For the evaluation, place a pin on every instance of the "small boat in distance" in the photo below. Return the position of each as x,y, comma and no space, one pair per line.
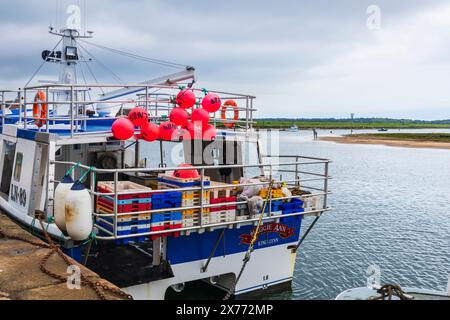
383,130
293,128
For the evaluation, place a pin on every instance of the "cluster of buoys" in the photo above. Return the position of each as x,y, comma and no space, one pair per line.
124,128
194,126
181,124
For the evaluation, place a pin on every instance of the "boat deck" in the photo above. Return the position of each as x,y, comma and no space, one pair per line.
22,279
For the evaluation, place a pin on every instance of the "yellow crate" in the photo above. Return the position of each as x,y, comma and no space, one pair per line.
276,193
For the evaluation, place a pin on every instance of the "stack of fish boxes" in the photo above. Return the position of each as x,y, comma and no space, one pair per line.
296,205
190,217
223,194
167,220
137,199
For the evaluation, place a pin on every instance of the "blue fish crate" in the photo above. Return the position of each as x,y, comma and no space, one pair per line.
184,184
166,217
167,200
295,204
277,205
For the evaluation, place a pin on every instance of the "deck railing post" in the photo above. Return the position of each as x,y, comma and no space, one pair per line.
71,112
325,186
270,190
92,183
19,96
47,111
116,200
3,109
201,196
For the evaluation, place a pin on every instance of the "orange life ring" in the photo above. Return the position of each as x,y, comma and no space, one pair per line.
40,108
233,104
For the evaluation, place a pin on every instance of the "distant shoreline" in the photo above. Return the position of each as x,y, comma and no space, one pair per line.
401,140
345,125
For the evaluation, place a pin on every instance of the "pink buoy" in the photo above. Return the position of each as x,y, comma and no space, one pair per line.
179,116
186,174
211,103
186,98
200,115
168,131
209,133
139,116
150,132
123,129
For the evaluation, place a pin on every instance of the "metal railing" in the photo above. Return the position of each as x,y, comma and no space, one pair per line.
78,99
271,168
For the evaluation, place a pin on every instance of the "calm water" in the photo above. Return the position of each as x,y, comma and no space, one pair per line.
391,208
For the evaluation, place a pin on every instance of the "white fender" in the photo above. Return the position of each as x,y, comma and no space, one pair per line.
78,212
60,201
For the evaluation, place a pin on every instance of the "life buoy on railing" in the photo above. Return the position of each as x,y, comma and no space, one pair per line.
226,105
40,108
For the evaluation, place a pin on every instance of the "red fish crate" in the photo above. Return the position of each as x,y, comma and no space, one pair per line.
166,226
124,208
141,192
226,201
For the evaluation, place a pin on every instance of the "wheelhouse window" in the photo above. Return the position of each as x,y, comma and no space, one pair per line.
18,167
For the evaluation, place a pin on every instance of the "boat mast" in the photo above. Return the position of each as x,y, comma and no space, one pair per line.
69,55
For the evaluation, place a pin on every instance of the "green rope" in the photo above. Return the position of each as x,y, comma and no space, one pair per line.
73,168
86,174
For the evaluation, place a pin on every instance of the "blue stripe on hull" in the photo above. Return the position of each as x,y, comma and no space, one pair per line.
199,246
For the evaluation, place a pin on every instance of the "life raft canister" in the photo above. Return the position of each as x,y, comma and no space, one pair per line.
226,105
40,108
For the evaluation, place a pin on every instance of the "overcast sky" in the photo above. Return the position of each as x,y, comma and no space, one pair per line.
314,58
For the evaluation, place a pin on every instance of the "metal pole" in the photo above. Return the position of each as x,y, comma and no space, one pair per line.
71,111
325,186
116,200
20,105
47,112
201,197
3,109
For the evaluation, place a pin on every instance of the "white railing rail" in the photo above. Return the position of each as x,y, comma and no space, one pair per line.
297,181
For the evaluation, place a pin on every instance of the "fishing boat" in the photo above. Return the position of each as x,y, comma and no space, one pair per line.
293,128
225,217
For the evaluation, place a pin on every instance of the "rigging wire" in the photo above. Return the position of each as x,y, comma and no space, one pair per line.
138,57
115,76
41,65
90,71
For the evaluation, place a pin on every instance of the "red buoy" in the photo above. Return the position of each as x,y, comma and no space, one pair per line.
150,132
209,133
186,174
123,129
200,115
168,131
211,103
186,98
179,116
194,130
139,116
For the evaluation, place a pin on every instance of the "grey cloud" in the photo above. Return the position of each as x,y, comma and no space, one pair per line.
309,58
